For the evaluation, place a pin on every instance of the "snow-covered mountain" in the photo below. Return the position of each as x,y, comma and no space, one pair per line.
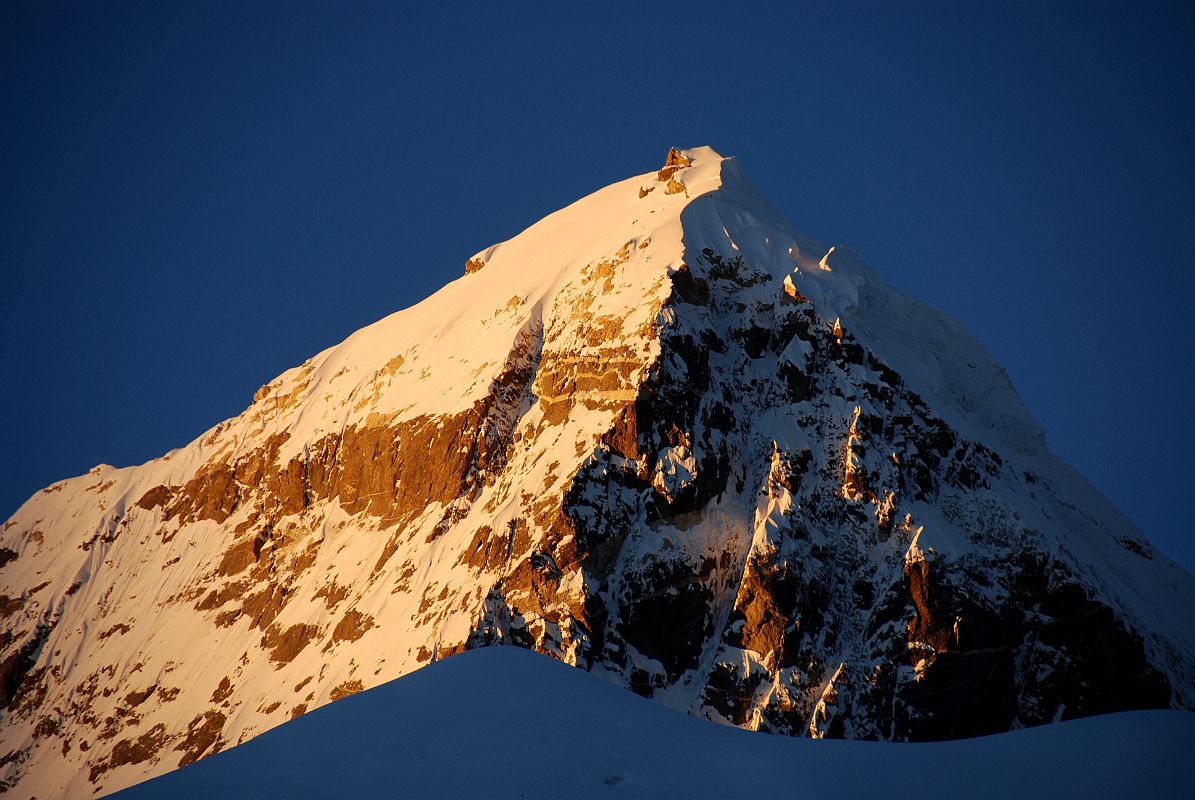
501,722
660,435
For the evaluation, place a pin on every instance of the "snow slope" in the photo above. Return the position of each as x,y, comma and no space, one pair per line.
506,723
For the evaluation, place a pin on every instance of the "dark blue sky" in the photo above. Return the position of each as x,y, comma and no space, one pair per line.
199,196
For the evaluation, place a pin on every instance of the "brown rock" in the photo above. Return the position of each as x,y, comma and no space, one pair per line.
352,626
345,689
674,162
676,159
285,645
223,691
133,751
10,605
766,625
332,593
264,605
202,737
157,496
135,698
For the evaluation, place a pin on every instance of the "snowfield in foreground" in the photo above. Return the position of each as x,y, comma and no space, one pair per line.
505,722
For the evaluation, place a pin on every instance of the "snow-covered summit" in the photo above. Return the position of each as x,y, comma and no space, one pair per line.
717,207
660,435
455,342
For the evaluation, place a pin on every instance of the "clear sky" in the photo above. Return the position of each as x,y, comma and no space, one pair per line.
197,196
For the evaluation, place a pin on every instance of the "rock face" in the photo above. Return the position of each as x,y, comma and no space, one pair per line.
661,435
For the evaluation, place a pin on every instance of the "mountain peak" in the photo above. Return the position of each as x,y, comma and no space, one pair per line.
660,434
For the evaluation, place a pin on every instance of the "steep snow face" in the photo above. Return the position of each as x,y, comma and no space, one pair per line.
331,536
659,435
